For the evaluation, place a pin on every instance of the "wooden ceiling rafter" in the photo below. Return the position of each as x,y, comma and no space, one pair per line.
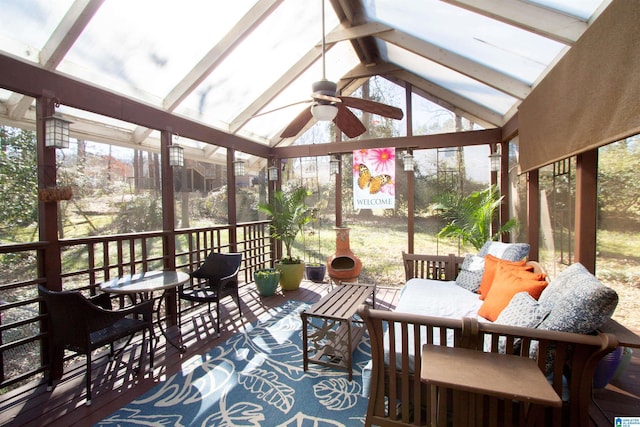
459,63
528,16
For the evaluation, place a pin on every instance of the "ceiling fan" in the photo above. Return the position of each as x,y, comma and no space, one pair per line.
328,105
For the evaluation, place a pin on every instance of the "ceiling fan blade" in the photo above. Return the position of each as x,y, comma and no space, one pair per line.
297,124
348,123
373,107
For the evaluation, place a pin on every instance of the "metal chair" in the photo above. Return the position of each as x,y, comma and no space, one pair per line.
220,279
82,325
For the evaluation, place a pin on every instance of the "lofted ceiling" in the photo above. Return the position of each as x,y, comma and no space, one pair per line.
238,66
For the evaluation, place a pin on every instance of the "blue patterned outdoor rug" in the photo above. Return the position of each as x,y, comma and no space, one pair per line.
255,379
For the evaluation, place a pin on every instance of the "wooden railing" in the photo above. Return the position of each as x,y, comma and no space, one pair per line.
86,262
20,314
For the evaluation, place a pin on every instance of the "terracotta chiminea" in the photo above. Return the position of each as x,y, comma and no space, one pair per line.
344,265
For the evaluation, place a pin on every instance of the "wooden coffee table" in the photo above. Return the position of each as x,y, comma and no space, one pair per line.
330,332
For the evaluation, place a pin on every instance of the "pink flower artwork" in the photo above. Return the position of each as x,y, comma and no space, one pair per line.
382,160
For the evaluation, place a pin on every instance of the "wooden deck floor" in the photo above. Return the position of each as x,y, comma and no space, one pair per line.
116,384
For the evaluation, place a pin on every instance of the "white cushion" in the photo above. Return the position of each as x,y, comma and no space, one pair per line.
506,251
471,272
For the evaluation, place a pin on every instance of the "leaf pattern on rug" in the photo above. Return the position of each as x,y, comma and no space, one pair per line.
238,414
301,419
255,378
132,417
180,389
265,386
337,394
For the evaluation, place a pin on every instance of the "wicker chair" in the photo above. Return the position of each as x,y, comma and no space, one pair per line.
82,325
220,279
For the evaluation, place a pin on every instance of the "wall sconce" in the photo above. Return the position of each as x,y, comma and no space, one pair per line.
494,159
272,172
408,162
334,165
176,155
238,168
56,132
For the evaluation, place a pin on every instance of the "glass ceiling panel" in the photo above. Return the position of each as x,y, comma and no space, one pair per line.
582,9
262,58
510,50
340,59
26,25
146,47
451,80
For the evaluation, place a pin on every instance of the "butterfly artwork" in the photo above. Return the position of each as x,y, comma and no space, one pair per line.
375,183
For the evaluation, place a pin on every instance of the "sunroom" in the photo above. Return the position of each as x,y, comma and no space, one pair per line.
182,117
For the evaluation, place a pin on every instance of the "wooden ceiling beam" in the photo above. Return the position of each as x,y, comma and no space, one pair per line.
458,63
463,106
31,80
423,142
528,16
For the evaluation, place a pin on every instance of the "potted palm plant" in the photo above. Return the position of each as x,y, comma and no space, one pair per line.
469,217
288,213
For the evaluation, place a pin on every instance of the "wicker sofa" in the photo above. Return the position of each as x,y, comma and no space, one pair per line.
397,397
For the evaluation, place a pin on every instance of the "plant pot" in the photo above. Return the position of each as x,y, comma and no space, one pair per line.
315,272
290,275
607,368
267,280
624,362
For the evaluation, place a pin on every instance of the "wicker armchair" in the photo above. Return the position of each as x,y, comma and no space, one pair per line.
220,279
82,325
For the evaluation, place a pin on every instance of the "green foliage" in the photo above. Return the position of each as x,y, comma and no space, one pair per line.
618,185
469,217
265,273
289,213
142,213
18,179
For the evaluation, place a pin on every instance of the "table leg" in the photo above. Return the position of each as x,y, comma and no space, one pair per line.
305,351
180,348
349,351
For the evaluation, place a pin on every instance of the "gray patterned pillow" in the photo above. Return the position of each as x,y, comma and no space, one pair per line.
471,272
523,311
506,251
577,301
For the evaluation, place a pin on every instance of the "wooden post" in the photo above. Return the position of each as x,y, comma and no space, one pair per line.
533,212
586,219
50,258
168,222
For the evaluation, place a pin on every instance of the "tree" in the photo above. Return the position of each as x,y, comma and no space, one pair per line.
469,217
18,179
618,186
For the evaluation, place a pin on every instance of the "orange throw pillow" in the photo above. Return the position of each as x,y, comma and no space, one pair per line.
490,264
506,284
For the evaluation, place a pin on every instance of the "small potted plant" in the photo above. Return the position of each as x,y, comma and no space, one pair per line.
267,280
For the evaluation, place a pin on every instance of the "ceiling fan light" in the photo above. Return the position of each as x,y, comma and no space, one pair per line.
324,112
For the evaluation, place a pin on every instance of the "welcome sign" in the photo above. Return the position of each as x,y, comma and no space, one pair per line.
374,172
